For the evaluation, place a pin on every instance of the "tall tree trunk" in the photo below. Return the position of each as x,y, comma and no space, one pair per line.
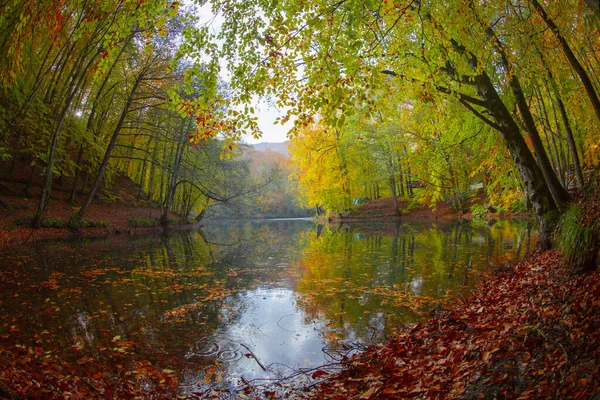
531,174
575,64
90,121
555,157
394,194
400,178
113,140
540,195
567,125
569,132
77,173
559,193
143,174
151,182
164,217
46,189
571,142
409,188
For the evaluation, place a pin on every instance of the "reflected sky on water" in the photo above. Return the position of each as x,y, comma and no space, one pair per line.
255,299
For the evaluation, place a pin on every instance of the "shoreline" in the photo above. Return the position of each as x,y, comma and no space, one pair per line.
26,236
23,236
489,344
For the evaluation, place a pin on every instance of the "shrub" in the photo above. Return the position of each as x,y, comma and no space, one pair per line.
50,222
413,204
577,240
478,222
23,221
140,222
88,223
458,201
478,211
96,224
508,201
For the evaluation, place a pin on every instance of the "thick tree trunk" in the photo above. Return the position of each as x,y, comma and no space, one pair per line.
535,184
559,193
537,189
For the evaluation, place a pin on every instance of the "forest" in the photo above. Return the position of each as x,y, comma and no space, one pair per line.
95,91
385,98
478,107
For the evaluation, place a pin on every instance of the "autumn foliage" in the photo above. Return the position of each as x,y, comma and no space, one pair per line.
531,331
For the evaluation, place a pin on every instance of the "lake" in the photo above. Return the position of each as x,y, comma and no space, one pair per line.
255,300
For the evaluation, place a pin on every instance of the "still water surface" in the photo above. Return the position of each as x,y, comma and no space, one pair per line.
252,299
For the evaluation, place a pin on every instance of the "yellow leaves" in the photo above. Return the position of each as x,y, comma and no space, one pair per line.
368,393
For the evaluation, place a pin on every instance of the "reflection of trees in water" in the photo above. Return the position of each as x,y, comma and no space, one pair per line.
361,281
119,290
165,293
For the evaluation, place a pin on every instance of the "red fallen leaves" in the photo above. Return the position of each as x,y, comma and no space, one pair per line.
319,373
533,332
34,373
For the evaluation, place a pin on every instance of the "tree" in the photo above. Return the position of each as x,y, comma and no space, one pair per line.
340,51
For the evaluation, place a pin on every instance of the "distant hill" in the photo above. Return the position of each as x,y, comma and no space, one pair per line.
280,148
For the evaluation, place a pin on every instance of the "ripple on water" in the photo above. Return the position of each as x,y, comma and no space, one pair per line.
229,355
203,348
227,351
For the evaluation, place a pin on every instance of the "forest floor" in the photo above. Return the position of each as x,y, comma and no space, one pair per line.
384,210
114,214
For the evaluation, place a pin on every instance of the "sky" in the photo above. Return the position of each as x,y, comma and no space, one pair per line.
266,113
266,117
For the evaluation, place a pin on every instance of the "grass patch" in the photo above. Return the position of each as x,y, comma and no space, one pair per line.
576,239
50,222
46,222
140,222
89,223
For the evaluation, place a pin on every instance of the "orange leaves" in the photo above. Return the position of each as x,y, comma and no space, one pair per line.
52,282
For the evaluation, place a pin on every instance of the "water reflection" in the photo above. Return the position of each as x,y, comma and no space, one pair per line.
248,300
366,280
